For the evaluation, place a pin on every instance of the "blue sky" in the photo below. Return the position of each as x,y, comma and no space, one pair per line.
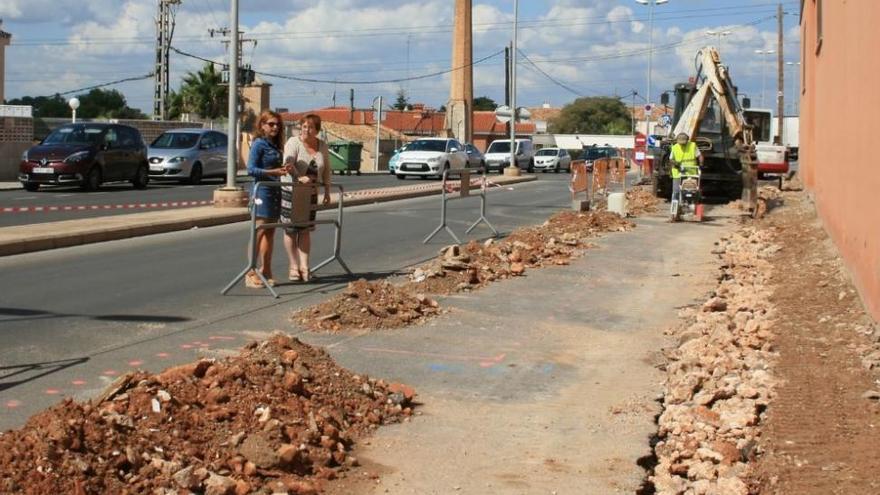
586,47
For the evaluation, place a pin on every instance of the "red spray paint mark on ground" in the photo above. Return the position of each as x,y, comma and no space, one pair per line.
78,383
110,373
185,346
163,355
12,404
135,363
220,337
52,391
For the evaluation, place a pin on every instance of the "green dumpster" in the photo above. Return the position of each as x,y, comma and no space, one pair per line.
345,157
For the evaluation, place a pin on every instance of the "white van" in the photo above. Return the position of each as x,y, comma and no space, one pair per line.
498,155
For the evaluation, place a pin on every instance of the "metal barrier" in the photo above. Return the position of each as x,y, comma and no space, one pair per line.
464,192
252,253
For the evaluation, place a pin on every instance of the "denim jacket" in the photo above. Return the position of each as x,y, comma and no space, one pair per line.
263,156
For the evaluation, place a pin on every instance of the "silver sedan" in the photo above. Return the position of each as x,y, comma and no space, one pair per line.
188,155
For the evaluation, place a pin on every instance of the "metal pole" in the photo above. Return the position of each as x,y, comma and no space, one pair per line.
378,122
513,117
232,142
74,117
650,66
780,83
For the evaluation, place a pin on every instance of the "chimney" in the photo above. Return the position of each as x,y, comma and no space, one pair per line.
351,106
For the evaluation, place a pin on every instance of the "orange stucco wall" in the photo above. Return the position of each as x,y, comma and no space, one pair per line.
840,131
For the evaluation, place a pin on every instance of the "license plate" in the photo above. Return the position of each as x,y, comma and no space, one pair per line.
43,170
157,169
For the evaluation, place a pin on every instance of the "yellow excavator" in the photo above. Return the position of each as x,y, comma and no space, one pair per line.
707,109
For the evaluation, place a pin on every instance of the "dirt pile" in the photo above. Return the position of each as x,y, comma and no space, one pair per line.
718,379
768,198
641,200
280,417
371,305
375,305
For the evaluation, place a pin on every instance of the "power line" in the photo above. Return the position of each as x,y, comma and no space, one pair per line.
420,30
102,85
336,81
548,76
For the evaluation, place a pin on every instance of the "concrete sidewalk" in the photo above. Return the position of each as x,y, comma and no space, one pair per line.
51,235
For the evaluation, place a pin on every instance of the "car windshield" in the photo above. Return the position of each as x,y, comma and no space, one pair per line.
427,145
75,134
594,153
175,140
499,147
547,152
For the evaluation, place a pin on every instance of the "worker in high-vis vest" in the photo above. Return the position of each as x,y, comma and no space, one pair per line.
686,160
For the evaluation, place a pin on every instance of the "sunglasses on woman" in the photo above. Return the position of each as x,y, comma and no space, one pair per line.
272,124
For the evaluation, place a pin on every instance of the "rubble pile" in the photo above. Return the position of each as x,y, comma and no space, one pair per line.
641,200
718,379
280,417
561,238
370,305
768,198
376,305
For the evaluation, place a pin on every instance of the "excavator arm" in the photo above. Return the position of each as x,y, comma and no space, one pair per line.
714,81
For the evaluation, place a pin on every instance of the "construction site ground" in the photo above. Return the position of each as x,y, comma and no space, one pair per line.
552,379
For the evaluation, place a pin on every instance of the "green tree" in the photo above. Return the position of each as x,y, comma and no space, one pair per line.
402,101
97,103
202,93
109,104
44,106
592,115
484,103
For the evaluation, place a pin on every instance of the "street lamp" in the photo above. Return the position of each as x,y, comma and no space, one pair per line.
74,104
764,71
650,4
794,99
720,34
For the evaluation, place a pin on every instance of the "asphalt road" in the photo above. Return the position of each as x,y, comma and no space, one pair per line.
73,319
70,203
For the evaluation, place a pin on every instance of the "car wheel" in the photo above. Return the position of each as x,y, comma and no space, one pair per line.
195,175
482,165
92,180
401,176
556,170
141,178
31,186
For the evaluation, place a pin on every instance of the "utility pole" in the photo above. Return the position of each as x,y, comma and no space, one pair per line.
164,33
513,169
507,83
780,94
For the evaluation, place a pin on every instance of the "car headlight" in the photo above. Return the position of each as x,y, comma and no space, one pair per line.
435,159
177,159
77,157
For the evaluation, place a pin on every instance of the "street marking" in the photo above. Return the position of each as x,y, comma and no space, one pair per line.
162,355
185,346
220,337
135,363
78,383
127,206
52,391
12,404
110,373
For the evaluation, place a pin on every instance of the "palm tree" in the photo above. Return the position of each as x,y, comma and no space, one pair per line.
201,92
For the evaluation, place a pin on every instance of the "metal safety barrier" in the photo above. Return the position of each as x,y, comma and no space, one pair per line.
252,252
464,192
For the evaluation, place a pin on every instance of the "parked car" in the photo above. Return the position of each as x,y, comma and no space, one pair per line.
394,161
428,157
88,155
594,152
188,155
498,154
475,156
554,159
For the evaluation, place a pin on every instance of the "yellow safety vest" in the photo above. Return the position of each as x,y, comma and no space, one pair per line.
687,157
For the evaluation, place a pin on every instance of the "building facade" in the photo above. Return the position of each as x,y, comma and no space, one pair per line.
839,105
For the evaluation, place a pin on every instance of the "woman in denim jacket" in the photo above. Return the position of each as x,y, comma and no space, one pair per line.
264,164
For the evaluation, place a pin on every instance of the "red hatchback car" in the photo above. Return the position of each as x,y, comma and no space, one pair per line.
87,155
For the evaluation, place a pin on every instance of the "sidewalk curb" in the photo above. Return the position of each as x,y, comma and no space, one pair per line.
51,235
